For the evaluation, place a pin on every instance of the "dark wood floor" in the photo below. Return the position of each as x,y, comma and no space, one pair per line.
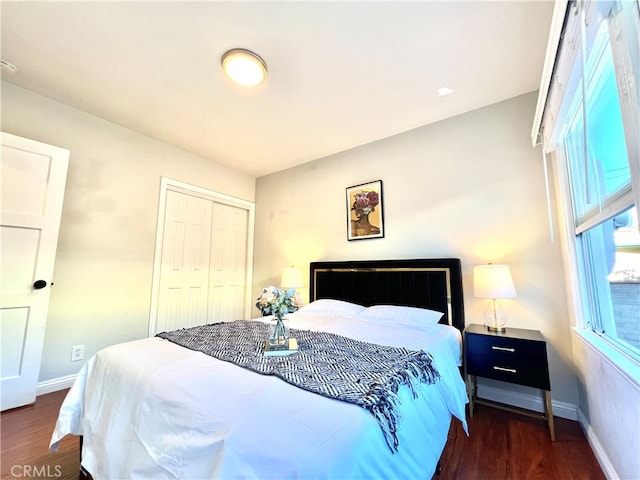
501,446
26,432
504,445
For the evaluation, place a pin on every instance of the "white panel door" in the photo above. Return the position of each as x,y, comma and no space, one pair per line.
32,181
229,262
184,277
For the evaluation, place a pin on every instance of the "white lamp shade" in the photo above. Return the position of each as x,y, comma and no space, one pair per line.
291,278
493,281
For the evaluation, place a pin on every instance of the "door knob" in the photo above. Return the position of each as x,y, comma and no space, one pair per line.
38,284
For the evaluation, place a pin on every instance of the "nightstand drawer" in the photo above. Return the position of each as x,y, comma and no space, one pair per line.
519,370
494,345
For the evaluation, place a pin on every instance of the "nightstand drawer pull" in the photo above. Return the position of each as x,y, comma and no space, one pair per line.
503,349
502,369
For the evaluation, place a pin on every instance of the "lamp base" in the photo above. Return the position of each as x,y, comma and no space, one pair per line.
491,328
494,317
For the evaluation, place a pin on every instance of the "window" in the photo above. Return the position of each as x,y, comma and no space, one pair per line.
591,126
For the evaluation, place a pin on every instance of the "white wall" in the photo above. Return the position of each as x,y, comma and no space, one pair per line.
470,187
106,247
610,408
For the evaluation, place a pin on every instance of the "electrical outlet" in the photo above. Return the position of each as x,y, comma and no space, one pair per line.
77,353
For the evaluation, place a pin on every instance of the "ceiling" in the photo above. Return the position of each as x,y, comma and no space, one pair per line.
341,74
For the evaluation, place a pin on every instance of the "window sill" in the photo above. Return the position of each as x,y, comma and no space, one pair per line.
627,366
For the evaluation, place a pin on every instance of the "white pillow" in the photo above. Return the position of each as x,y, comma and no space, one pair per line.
327,306
413,317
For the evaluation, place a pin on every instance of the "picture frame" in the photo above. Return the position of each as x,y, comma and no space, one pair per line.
365,212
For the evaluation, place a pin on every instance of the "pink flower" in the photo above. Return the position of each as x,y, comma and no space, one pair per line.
365,202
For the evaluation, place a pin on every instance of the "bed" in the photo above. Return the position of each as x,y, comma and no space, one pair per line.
154,409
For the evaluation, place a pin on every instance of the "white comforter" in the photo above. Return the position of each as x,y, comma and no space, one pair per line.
153,409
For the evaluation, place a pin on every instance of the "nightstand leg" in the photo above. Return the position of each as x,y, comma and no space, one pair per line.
548,408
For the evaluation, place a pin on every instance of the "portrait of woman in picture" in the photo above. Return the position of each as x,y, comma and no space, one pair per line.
364,205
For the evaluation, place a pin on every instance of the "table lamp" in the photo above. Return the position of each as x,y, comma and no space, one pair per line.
493,282
291,278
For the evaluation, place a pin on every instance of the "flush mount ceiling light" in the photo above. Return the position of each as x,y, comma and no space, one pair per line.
4,65
244,67
444,91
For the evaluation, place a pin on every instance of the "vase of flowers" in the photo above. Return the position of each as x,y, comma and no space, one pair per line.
277,302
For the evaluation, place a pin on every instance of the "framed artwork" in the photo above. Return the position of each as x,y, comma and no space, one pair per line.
365,217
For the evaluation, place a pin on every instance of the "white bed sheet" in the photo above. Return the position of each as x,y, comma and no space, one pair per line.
152,409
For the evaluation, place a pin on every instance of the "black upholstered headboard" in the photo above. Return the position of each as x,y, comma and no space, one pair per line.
435,284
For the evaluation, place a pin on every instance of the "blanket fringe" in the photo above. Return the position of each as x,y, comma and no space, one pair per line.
386,407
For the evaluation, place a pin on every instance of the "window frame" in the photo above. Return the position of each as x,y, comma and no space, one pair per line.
626,360
588,318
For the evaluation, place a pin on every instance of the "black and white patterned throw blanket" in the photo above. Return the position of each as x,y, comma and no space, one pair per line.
335,366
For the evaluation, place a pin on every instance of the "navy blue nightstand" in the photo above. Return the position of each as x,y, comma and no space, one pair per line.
515,356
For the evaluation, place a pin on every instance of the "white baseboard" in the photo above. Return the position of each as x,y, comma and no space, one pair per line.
598,451
530,402
55,384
